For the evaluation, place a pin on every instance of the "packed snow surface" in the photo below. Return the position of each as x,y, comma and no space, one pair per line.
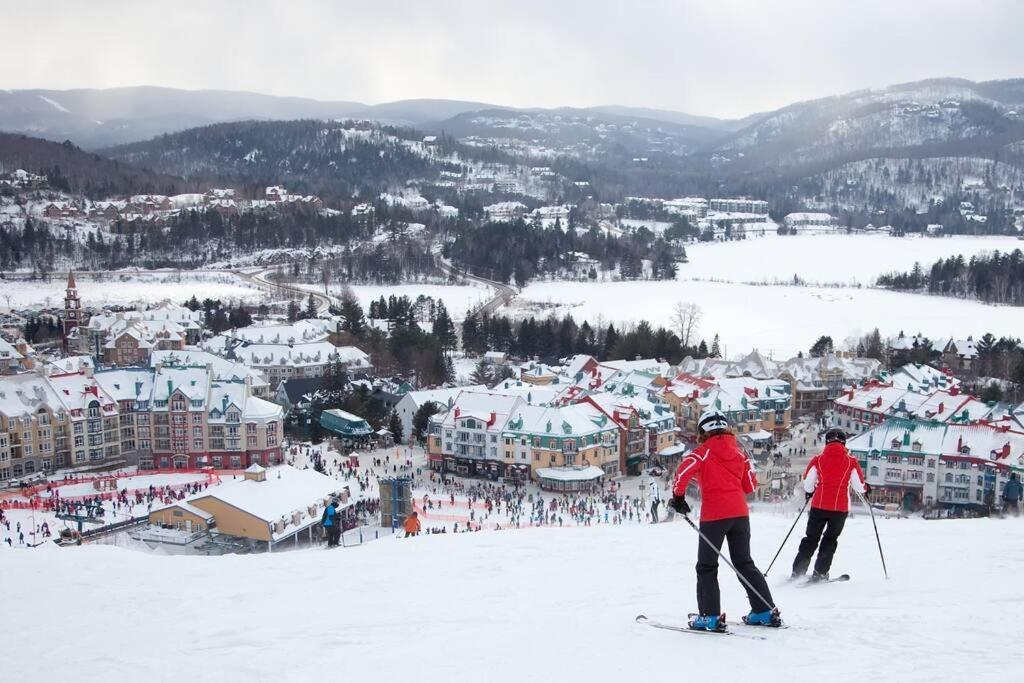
526,605
146,288
828,258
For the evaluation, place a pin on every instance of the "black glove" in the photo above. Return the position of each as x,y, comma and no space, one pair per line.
867,489
679,504
808,496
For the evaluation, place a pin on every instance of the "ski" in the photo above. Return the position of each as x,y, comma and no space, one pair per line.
837,579
643,619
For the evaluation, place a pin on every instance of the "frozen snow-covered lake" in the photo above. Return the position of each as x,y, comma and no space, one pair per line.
784,319
780,320
828,258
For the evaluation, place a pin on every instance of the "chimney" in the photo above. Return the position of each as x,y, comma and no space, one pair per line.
942,407
492,419
959,443
458,411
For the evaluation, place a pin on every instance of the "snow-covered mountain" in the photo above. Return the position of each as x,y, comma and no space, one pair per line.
941,117
522,606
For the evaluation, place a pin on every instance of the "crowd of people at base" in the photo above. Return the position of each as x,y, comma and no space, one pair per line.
512,507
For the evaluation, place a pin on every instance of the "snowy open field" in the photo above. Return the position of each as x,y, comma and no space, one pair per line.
146,288
780,319
828,258
518,606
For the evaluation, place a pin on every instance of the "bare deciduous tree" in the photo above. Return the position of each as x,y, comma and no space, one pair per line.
686,317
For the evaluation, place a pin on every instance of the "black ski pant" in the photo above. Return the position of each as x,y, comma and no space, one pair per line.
654,511
830,522
735,530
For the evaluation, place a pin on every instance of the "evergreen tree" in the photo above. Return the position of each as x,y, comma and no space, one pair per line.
716,349
310,311
421,419
481,374
822,347
293,310
395,427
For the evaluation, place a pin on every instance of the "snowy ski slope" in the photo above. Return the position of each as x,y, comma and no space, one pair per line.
529,605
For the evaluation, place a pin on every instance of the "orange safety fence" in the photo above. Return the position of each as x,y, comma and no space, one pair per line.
29,499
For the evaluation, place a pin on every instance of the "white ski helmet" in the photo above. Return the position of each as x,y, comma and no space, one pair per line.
712,420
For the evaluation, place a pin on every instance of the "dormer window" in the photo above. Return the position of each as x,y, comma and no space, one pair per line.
895,443
965,450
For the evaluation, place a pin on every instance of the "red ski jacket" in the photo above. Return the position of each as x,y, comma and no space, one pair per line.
831,475
723,474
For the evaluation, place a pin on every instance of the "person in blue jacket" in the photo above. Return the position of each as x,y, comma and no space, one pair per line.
1012,493
332,525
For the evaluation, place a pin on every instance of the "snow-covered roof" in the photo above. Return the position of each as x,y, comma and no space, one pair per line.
310,330
284,490
25,394
222,367
991,442
578,419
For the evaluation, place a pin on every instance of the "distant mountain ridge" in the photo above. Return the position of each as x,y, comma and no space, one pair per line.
94,118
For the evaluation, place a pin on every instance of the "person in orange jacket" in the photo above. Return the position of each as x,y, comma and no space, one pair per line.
412,525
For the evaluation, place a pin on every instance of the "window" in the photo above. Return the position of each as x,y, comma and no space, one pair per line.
931,477
197,444
197,418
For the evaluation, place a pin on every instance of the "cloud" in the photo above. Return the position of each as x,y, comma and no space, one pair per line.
717,57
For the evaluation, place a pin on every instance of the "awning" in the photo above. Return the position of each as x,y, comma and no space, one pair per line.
759,435
633,459
669,451
570,473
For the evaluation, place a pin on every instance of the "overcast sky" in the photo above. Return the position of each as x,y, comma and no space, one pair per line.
719,57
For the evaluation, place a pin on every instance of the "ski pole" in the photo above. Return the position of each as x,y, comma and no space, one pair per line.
800,514
871,511
731,565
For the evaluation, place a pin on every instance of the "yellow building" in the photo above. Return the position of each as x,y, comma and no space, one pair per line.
267,506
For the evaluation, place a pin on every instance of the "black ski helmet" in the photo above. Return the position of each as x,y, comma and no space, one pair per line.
835,434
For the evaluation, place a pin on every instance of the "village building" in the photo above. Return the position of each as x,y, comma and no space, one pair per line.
566,448
805,221
268,508
917,463
759,410
351,429
859,410
16,357
816,382
467,438
412,401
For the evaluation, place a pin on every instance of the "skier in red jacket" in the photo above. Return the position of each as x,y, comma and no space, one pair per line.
827,483
725,477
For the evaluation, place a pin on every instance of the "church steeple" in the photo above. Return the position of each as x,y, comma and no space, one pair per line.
72,309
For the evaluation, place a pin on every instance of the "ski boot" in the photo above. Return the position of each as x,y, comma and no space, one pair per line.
707,623
818,576
769,618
